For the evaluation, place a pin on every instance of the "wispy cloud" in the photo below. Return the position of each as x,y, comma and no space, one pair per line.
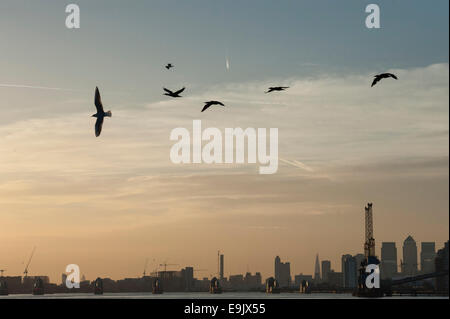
36,87
297,164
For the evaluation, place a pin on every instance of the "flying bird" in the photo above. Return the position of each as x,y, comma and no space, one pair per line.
168,66
100,115
378,77
173,94
277,88
209,103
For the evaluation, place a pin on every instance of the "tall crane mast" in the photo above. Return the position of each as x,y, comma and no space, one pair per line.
199,269
369,244
145,267
29,261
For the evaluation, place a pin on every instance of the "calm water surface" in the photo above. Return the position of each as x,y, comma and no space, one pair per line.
205,295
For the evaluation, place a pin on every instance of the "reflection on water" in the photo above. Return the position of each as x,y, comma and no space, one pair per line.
205,295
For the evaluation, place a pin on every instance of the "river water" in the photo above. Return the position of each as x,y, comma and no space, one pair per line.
204,295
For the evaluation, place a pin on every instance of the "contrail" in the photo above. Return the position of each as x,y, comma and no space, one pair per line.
227,63
297,164
34,87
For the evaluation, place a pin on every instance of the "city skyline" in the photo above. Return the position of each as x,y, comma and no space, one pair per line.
109,203
282,272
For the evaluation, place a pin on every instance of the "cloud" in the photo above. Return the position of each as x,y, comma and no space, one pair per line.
21,86
332,131
297,164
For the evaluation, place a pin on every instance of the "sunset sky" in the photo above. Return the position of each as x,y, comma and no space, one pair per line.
108,203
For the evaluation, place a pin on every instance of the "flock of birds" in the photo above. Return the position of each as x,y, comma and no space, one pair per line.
101,114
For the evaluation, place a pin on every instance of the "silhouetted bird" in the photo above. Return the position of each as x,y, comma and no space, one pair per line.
208,104
383,76
277,88
100,115
168,66
173,94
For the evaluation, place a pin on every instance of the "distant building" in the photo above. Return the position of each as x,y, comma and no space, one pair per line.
299,279
277,267
441,264
252,281
45,279
326,268
14,282
171,280
388,267
282,272
237,282
188,278
349,271
317,270
29,280
335,279
409,264
427,256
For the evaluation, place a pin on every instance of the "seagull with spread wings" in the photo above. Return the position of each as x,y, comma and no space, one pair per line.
277,88
378,77
100,115
173,94
209,103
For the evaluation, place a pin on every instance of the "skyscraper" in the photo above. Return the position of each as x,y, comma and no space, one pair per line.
317,270
221,267
349,271
441,264
409,264
326,268
427,255
63,279
388,267
277,268
282,272
187,274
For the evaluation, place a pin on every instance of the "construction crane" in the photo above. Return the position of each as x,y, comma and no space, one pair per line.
166,264
145,266
199,270
194,270
155,272
29,261
369,244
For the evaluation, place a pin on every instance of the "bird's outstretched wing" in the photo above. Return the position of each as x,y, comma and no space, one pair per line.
393,76
168,91
376,80
179,91
220,103
98,101
269,90
98,126
208,104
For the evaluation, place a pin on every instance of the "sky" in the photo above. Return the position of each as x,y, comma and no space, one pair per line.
109,203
